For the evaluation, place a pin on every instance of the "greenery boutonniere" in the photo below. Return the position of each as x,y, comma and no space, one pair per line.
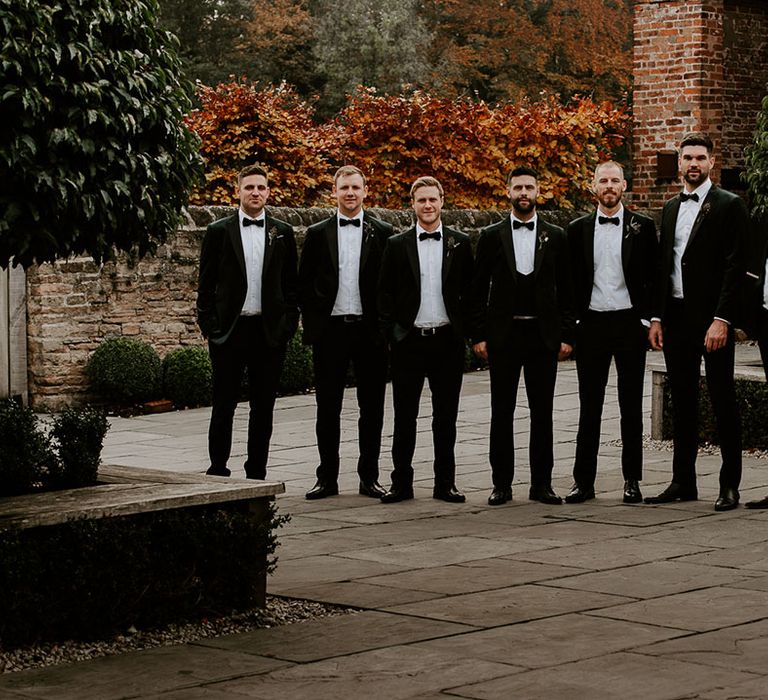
274,234
543,239
633,227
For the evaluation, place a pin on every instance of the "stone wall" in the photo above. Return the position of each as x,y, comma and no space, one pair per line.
699,65
73,305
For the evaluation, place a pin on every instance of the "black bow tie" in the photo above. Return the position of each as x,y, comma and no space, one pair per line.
523,224
254,222
609,220
349,222
685,197
423,236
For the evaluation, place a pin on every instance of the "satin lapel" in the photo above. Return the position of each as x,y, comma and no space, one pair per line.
447,257
589,248
628,237
541,244
237,241
671,221
332,238
706,205
369,234
413,257
505,233
268,247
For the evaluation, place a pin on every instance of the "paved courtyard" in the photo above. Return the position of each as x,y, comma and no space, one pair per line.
598,600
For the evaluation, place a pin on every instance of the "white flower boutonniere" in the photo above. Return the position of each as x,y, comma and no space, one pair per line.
450,244
543,239
633,228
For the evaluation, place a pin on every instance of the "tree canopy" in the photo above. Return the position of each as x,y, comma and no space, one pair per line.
94,155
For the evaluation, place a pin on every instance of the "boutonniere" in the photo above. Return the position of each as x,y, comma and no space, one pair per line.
705,209
633,228
273,234
543,239
368,232
450,244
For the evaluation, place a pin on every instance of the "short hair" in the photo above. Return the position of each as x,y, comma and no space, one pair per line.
253,169
426,181
609,163
521,170
697,138
346,170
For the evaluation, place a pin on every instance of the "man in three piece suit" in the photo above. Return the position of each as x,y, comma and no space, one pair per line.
423,293
523,321
338,274
246,308
695,303
613,258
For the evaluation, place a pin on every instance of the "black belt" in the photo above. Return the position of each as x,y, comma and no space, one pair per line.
429,332
347,318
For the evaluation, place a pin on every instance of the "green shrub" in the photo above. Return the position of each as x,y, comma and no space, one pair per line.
752,399
79,434
25,453
91,578
124,370
187,377
298,373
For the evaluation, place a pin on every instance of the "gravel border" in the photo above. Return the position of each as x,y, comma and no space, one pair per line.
707,448
278,611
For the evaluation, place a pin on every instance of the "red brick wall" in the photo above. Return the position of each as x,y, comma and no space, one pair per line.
697,66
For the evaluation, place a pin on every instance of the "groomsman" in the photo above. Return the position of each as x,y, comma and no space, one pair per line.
338,272
613,257
246,308
523,321
423,293
696,301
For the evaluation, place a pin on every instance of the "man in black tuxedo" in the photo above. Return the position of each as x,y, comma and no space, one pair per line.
613,258
523,321
246,308
338,273
423,293
696,300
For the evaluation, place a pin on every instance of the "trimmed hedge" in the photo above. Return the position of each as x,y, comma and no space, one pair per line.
188,377
125,370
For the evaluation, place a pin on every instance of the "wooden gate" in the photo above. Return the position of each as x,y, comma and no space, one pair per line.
13,333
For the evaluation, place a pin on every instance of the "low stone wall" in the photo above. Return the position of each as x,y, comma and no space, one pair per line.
73,305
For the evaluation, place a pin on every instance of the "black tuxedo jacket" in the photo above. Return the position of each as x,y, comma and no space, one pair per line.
713,260
223,284
399,294
755,278
639,247
319,273
495,284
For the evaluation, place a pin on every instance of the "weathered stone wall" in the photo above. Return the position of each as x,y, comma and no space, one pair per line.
73,305
699,65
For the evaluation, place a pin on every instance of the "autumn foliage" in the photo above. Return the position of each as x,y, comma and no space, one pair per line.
469,146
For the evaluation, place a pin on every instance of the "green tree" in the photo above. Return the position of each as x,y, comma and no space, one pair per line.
94,155
756,174
365,42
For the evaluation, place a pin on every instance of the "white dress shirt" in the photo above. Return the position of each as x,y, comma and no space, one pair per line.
432,312
689,210
253,238
609,289
350,240
765,286
524,241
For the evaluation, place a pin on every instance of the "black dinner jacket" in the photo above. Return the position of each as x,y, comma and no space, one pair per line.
223,284
713,260
639,246
399,294
496,278
754,282
319,273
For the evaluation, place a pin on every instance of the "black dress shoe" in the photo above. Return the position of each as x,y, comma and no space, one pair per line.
762,503
499,497
322,490
397,494
727,500
674,492
371,488
579,494
545,494
218,471
450,495
632,491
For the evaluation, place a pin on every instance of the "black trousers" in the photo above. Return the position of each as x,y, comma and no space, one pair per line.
523,352
245,347
683,351
762,339
439,359
344,343
604,336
